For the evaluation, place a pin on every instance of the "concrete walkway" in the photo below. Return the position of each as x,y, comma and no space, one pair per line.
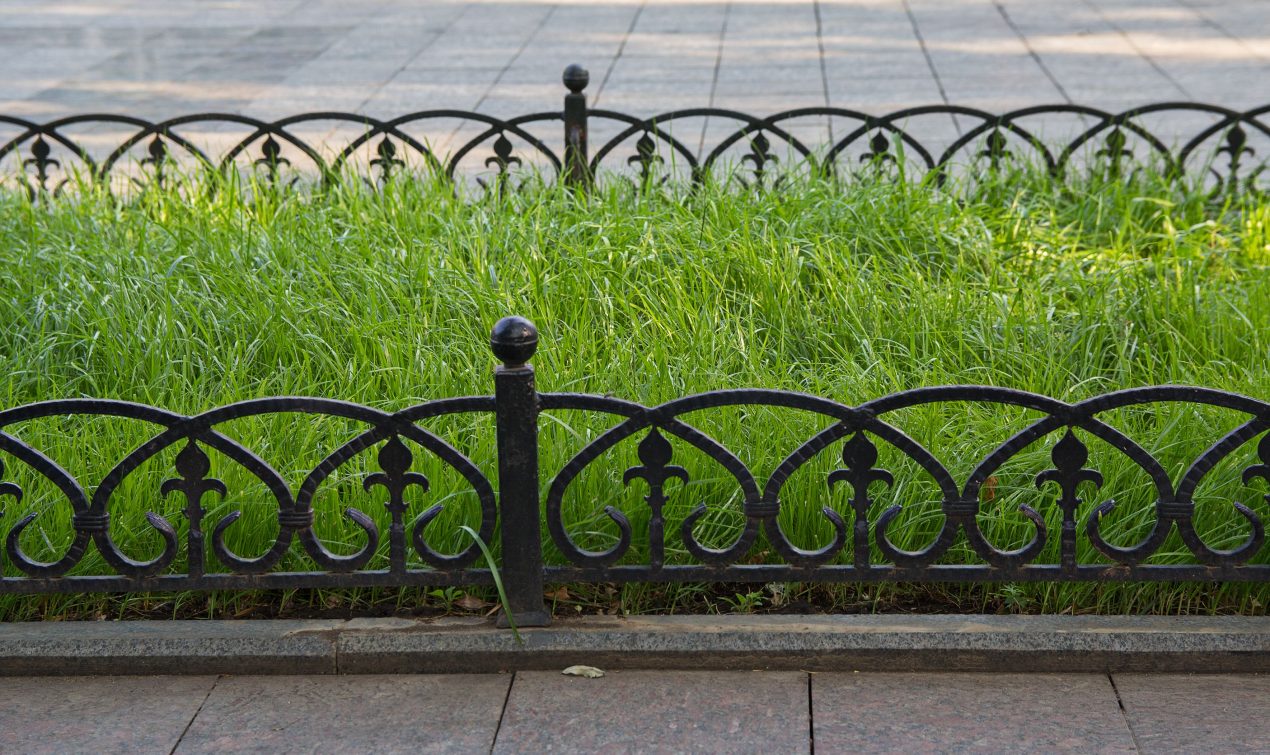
269,58
639,711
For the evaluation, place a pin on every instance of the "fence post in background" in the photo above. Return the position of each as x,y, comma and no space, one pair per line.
577,171
513,340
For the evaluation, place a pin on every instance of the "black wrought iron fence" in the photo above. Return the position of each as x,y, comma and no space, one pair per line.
515,499
1223,148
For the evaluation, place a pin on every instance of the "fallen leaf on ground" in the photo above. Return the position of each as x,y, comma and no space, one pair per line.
590,672
470,603
561,594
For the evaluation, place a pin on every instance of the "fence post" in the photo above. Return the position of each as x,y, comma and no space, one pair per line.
577,171
513,340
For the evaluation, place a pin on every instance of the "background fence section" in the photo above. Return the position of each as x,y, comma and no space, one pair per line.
1222,148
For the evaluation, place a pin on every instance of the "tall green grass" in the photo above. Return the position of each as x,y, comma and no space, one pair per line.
188,301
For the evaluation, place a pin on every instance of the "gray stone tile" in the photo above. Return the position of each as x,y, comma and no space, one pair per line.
652,711
441,713
1196,713
135,714
871,712
157,55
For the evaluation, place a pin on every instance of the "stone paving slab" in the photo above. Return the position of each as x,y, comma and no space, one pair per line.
644,711
160,57
98,714
656,711
1197,713
379,714
1014,713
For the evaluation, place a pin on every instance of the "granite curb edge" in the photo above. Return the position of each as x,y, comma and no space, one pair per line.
815,643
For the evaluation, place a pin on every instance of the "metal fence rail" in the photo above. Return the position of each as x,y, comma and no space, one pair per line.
1222,148
526,498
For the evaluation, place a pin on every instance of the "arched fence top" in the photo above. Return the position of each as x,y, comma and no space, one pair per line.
697,504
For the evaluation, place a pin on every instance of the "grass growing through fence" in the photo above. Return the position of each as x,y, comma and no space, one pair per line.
849,292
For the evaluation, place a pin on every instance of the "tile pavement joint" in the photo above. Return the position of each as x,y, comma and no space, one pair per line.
595,99
1221,29
811,716
502,712
1030,51
520,51
188,724
427,45
718,63
1129,41
930,63
820,44
1124,713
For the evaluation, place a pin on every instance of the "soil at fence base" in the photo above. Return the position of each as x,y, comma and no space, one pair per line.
563,600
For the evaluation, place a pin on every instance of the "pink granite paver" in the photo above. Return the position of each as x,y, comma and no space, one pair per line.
133,714
656,711
980,713
1197,713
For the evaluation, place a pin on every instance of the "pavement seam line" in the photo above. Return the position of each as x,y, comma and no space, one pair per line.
1124,713
824,72
1204,18
811,715
620,49
427,45
520,51
930,62
194,717
714,81
1028,46
498,727
1129,40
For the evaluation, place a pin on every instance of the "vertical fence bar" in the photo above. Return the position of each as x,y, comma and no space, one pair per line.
577,171
514,340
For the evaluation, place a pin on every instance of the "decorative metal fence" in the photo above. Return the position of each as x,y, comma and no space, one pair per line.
1223,148
511,511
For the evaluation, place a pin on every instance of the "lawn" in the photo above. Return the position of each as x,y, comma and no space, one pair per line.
851,292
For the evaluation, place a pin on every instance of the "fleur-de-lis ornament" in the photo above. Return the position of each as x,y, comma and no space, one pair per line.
646,157
395,460
387,160
1069,456
272,158
1114,151
879,150
995,148
1235,146
759,157
40,160
192,466
860,456
655,469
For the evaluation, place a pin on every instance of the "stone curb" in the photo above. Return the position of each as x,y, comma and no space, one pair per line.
816,643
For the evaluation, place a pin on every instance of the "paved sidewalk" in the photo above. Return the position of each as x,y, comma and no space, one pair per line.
269,58
645,711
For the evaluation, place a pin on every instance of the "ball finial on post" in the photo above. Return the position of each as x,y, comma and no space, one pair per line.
576,78
513,340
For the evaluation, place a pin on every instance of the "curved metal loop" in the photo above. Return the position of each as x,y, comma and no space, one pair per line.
294,514
960,504
638,418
